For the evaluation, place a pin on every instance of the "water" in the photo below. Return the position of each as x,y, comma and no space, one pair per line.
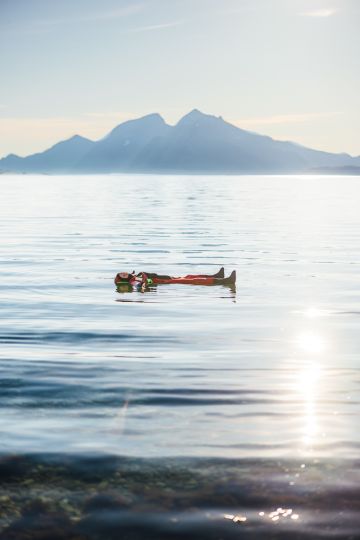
184,411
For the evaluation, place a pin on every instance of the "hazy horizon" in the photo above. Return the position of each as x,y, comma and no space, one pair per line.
288,70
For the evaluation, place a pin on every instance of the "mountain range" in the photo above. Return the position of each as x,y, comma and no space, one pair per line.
198,143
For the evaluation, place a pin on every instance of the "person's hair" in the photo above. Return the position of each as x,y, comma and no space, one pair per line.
122,277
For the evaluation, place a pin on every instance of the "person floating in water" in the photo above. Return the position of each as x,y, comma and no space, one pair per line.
145,279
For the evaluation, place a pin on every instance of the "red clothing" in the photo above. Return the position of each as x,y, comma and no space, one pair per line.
191,279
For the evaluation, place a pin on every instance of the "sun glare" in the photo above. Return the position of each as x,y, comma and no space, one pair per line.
311,343
313,313
309,381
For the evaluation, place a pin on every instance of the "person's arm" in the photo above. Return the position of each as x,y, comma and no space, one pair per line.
144,280
139,279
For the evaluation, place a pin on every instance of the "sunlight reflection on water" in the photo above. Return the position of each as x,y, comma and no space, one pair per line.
242,404
309,386
218,363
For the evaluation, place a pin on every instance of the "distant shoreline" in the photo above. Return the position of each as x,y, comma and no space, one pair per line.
322,172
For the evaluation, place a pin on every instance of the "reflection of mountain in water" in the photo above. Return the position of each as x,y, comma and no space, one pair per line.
198,143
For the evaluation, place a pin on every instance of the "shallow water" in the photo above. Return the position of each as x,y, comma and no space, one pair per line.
252,394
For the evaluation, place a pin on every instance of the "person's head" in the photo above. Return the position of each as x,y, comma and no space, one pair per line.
122,277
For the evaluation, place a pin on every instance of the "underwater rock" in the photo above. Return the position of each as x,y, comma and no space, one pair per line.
39,522
106,501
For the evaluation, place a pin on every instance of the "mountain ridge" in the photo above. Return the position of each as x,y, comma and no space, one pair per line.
198,143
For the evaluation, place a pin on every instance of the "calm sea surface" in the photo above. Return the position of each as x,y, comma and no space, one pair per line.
183,411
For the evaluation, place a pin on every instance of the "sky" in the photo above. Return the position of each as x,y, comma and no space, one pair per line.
285,68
